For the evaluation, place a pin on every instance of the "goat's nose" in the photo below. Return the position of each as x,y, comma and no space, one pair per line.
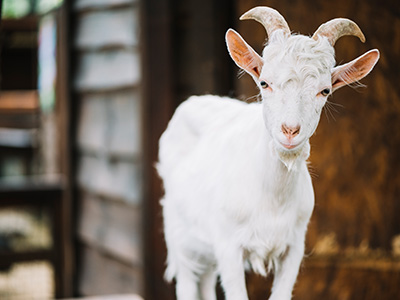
289,131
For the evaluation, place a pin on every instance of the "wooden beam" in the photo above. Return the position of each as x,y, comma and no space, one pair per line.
66,124
158,105
19,100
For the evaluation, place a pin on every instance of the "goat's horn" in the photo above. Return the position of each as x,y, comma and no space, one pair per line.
268,17
336,28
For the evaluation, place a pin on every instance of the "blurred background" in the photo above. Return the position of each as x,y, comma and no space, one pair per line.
88,86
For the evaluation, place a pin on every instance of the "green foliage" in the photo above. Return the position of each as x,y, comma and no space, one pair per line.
44,6
21,8
15,8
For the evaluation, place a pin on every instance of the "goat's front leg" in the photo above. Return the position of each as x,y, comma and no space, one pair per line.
285,276
231,270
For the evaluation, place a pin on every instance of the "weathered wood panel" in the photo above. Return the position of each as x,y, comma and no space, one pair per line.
113,178
201,64
103,275
92,127
119,27
108,70
109,141
112,226
111,123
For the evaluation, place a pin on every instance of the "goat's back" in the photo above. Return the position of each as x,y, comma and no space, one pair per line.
194,119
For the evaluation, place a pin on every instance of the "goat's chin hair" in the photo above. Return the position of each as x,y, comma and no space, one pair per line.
291,158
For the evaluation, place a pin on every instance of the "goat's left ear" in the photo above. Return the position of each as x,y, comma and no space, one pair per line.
354,70
243,55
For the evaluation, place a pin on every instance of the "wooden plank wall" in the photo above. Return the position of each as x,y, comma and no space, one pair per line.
353,238
107,84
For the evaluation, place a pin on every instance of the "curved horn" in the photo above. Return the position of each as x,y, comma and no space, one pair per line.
270,18
336,28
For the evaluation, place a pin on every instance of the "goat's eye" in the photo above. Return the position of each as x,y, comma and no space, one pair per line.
325,92
264,84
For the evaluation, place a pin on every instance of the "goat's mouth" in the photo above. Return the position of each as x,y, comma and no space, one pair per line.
290,145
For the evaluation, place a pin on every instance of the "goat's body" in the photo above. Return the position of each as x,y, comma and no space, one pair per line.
237,189
229,200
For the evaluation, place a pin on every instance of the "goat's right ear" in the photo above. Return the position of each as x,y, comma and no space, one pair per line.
242,54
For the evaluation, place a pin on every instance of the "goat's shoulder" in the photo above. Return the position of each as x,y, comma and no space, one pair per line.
199,118
198,111
199,115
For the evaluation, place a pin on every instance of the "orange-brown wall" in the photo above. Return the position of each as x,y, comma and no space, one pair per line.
353,239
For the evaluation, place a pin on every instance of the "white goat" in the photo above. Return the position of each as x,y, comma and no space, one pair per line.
237,189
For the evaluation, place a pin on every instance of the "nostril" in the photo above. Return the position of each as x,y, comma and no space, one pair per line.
290,131
284,129
296,130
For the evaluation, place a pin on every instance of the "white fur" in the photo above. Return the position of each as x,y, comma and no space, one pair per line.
229,199
234,195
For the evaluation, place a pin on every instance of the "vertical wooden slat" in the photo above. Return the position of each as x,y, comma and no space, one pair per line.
157,109
203,65
66,121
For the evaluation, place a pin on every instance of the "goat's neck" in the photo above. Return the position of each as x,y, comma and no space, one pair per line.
283,171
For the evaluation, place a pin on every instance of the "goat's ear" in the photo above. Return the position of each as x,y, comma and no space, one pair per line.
242,54
354,70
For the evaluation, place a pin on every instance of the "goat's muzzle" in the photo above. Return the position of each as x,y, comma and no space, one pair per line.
290,132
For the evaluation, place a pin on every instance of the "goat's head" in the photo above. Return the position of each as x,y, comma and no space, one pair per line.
296,74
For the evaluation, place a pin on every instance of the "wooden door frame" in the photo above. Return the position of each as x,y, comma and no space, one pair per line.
158,103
